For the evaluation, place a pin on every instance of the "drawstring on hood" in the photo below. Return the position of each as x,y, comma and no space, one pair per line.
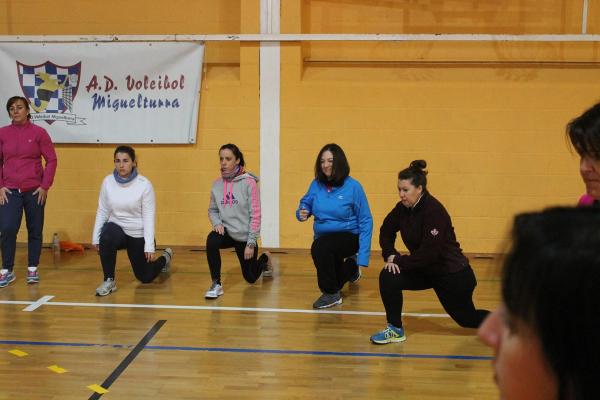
228,194
235,204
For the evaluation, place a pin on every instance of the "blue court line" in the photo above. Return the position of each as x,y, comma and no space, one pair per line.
260,351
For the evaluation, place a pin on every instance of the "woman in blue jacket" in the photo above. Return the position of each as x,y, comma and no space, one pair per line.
343,224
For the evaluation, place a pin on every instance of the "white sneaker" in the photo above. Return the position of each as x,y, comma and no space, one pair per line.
268,271
106,288
215,291
168,255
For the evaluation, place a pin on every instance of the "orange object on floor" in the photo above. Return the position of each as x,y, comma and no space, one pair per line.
70,246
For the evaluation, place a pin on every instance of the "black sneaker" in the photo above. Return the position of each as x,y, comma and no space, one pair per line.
328,300
356,276
265,260
350,262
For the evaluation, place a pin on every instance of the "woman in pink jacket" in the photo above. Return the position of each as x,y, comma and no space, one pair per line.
24,185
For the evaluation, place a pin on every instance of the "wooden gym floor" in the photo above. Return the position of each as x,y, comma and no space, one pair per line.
165,341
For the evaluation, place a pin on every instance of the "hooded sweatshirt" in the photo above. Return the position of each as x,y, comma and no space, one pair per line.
235,204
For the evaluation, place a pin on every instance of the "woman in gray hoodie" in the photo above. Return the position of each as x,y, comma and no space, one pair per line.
234,213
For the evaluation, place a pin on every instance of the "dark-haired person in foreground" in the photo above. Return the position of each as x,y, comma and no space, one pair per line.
235,215
125,220
584,134
435,260
342,227
545,334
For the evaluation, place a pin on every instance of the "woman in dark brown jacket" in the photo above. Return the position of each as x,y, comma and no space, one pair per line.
435,261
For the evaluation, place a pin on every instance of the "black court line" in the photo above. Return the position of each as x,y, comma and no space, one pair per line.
130,357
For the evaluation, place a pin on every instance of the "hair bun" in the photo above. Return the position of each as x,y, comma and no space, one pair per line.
418,164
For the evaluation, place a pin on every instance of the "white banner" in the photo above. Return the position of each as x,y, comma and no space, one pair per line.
127,92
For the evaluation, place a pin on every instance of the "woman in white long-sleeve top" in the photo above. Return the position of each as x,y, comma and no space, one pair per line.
125,220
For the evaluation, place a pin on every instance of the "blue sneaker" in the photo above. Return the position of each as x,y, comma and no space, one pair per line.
6,278
391,334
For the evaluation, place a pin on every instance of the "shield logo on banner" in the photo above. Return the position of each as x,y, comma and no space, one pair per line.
50,89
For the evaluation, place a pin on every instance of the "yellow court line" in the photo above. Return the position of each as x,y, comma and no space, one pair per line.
98,389
18,353
57,369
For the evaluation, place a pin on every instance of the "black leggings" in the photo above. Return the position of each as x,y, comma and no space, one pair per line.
251,269
455,291
328,253
112,238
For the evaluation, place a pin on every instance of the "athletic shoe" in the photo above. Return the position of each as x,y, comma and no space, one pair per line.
7,278
106,288
268,268
168,255
391,334
353,258
350,262
33,276
215,291
328,300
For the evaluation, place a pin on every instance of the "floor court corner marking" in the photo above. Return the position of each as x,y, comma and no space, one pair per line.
97,388
41,301
125,363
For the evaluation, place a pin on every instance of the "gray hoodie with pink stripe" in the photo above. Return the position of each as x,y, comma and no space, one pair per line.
235,204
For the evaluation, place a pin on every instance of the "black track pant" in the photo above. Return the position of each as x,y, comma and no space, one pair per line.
454,290
251,269
328,253
112,238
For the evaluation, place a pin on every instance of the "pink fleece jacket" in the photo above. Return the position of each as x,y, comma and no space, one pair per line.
21,149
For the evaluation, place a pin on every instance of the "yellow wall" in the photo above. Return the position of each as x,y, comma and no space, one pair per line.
492,130
181,174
